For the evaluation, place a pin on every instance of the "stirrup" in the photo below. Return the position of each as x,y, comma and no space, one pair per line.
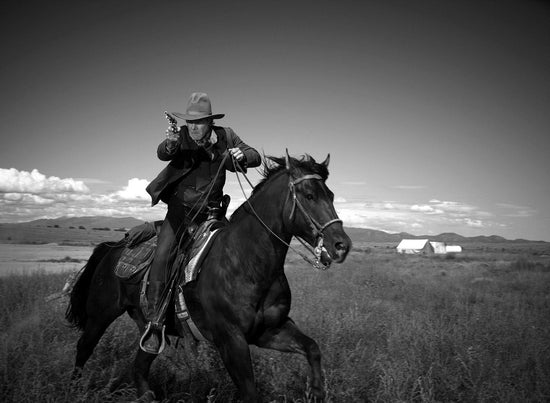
149,329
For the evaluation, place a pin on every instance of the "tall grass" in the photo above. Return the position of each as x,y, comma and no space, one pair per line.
390,327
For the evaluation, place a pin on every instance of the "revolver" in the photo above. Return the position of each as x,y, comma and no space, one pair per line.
173,132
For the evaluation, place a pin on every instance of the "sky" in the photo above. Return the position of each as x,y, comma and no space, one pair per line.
436,113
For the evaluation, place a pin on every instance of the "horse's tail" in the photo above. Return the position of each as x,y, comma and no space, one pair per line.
76,313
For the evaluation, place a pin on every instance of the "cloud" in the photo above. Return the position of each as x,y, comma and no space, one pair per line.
518,211
14,181
510,206
376,215
432,217
457,209
453,206
135,190
474,223
93,181
385,205
26,196
423,208
13,197
522,214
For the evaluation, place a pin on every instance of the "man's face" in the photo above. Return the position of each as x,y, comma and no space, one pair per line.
199,129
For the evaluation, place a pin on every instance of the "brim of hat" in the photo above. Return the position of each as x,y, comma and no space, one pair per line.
185,116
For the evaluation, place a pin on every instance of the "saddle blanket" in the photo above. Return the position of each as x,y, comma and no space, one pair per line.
136,259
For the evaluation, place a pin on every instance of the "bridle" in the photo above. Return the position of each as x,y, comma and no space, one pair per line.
317,228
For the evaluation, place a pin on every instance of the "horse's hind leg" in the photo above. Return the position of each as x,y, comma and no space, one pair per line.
142,365
288,338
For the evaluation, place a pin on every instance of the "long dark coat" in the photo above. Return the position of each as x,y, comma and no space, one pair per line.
182,161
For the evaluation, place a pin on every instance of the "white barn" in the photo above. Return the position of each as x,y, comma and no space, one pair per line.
439,247
415,246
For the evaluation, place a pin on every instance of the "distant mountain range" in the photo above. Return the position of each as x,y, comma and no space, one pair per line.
88,222
372,235
357,234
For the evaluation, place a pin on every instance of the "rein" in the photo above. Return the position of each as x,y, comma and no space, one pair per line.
203,199
318,229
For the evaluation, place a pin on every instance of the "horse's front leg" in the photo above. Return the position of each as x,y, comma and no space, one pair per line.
235,354
288,338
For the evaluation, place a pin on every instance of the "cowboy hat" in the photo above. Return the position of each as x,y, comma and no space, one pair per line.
198,107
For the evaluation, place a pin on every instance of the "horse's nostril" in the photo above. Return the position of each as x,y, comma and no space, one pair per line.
340,246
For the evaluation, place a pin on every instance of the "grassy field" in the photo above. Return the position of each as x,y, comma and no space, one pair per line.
34,234
468,328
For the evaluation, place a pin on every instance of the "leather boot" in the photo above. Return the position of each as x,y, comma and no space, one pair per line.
152,341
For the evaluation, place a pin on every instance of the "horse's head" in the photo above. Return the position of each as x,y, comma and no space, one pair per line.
309,209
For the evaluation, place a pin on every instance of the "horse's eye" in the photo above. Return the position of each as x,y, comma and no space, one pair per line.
309,196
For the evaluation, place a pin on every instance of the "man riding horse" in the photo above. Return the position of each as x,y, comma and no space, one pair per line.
191,185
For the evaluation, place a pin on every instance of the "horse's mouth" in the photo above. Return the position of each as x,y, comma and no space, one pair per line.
325,258
338,256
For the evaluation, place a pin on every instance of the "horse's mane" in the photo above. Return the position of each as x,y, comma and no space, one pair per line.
272,166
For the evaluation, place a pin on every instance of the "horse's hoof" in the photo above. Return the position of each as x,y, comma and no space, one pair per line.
76,374
147,397
318,394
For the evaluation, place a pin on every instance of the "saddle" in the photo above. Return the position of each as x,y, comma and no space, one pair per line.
135,262
141,242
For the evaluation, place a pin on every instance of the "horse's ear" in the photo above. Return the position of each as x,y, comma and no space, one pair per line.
287,160
307,158
326,161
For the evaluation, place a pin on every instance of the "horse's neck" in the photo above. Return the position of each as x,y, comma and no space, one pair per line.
263,226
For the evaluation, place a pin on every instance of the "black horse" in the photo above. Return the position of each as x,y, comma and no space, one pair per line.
241,295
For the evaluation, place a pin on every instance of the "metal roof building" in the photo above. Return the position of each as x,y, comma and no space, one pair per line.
439,247
415,246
